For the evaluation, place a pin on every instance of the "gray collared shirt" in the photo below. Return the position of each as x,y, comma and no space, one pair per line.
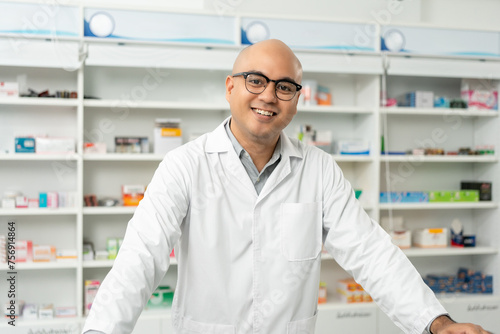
258,179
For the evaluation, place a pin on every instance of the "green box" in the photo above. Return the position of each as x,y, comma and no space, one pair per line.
440,196
454,196
112,248
161,298
466,195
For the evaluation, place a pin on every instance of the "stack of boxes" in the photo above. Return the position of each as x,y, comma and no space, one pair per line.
352,292
466,281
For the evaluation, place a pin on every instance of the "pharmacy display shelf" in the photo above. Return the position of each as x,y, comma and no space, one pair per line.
449,251
335,109
352,158
440,158
70,324
112,210
123,157
38,211
444,206
438,112
66,264
37,102
39,157
169,105
109,263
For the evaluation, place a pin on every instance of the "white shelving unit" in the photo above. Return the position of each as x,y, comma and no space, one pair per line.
122,106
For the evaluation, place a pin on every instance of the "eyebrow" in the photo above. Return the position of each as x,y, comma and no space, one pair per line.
280,79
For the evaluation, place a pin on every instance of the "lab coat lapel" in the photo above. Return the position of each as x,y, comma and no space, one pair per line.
289,150
219,143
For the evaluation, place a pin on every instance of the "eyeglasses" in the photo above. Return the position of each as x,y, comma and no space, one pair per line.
256,83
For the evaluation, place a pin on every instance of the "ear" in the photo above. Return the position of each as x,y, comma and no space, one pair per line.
229,86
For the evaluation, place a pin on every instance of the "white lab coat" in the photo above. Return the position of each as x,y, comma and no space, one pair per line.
250,263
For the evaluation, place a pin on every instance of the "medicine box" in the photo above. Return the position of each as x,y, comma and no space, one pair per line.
430,237
404,197
480,94
401,238
353,147
484,189
66,254
24,251
162,297
454,196
112,248
46,311
94,148
65,311
417,99
9,89
30,312
131,145
132,194
44,253
352,292
167,135
46,145
91,288
24,145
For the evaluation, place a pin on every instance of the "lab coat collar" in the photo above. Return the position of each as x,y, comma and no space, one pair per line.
218,141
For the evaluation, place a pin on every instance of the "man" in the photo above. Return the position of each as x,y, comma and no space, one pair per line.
249,210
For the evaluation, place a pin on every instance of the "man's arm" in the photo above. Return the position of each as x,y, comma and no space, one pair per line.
143,258
445,325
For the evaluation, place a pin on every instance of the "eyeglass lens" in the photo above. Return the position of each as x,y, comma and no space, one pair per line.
256,84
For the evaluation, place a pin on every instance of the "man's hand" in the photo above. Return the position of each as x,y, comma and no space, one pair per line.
444,325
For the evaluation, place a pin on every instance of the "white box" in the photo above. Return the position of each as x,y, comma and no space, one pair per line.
353,146
401,238
48,145
30,312
430,237
46,311
167,135
9,89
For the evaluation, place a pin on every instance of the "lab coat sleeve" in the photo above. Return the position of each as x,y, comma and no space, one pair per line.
143,258
366,251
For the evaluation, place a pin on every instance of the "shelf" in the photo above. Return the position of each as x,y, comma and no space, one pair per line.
41,265
38,212
439,158
38,157
352,158
198,106
31,325
39,101
449,251
430,206
123,157
438,112
335,109
109,263
113,210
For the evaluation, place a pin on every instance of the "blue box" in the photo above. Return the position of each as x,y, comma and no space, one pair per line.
25,145
404,197
42,200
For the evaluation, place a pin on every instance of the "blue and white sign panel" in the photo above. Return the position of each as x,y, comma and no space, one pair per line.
44,19
159,26
439,41
314,35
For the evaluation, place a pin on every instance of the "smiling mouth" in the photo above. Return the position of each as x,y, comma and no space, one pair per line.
264,112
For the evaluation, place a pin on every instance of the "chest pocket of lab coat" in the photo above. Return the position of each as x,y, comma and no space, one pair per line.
301,226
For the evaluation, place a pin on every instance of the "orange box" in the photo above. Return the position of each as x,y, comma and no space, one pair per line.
44,253
132,194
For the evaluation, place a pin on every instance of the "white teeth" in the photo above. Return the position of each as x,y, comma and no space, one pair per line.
263,112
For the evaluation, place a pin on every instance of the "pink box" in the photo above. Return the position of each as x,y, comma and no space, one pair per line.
52,199
24,251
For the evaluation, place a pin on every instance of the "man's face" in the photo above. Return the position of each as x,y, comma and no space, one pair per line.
249,122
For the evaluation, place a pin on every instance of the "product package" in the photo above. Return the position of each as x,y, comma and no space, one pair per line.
131,145
91,287
94,148
24,251
484,189
132,194
430,237
24,145
404,197
352,292
480,93
162,297
44,253
48,145
9,89
417,99
167,135
353,147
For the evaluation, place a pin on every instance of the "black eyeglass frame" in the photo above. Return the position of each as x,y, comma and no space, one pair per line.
246,74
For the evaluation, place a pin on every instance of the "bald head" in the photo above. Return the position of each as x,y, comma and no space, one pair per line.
265,52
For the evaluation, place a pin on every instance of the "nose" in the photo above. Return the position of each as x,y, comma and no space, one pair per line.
269,94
